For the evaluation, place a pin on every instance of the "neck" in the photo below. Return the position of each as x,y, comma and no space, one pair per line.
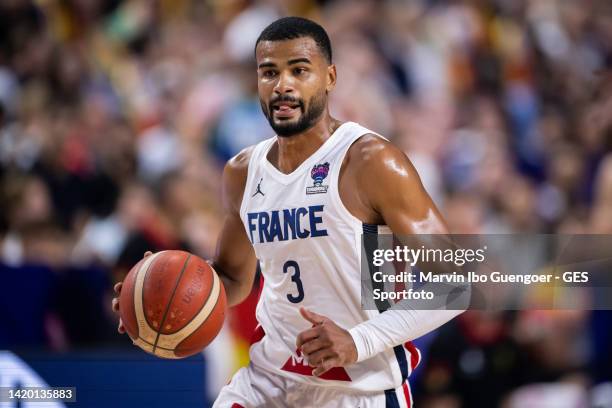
290,152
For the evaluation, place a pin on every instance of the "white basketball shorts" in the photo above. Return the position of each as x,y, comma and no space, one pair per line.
252,387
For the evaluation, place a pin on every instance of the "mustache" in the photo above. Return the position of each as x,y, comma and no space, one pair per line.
288,99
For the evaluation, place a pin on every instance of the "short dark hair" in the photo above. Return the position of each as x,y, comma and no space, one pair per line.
289,28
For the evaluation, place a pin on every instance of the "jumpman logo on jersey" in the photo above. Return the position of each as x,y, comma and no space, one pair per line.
259,189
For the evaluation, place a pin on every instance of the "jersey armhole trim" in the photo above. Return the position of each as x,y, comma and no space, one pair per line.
250,173
335,190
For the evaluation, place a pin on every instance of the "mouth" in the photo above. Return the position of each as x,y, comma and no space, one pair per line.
285,109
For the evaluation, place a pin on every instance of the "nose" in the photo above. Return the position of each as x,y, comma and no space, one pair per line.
284,84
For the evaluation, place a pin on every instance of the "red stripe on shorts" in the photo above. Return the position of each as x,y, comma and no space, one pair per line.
236,405
407,394
415,357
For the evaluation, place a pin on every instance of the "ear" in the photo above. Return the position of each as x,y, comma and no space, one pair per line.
331,77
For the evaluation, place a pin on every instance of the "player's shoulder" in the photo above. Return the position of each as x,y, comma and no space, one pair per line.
235,175
372,154
239,164
369,146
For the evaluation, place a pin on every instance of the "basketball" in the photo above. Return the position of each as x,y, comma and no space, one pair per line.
173,304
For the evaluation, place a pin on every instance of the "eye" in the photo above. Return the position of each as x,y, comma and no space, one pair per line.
299,70
268,74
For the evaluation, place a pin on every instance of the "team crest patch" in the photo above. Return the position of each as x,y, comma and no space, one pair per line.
318,173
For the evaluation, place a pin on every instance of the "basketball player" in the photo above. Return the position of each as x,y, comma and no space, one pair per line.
299,203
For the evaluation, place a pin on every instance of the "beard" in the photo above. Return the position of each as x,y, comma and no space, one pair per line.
307,119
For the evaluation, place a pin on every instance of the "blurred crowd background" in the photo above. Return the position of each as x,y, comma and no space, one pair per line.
116,118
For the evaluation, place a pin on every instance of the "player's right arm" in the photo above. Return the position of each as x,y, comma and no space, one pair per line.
235,259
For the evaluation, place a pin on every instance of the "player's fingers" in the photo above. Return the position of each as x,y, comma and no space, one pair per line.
115,304
326,365
317,372
147,254
317,358
121,327
306,336
314,345
117,287
312,317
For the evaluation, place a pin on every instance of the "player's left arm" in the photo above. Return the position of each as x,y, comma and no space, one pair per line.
395,192
391,188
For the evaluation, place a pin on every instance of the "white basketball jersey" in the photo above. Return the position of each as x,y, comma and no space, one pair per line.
309,248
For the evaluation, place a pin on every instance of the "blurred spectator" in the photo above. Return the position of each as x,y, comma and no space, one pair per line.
474,362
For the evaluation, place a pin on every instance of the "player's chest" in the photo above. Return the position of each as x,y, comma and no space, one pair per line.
276,211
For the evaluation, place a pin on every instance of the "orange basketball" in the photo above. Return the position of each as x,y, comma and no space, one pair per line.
172,304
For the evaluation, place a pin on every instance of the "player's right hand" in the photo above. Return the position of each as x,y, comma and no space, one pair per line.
115,302
115,305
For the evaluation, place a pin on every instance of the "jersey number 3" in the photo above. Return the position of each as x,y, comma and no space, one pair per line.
296,279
